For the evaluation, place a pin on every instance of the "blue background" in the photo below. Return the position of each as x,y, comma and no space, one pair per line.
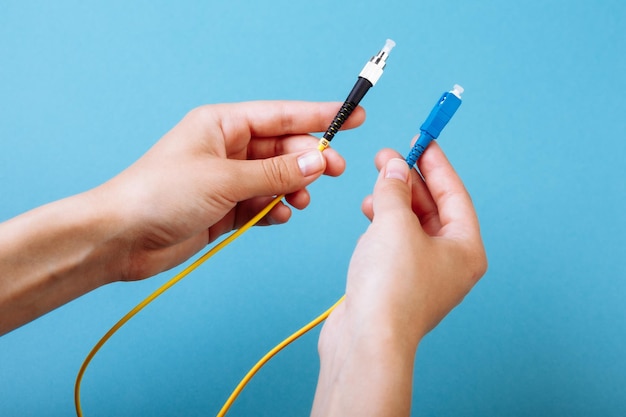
86,88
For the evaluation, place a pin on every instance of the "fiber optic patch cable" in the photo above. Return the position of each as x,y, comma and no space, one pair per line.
438,118
369,76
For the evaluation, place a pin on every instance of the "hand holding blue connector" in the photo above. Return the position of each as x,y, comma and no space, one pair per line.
438,118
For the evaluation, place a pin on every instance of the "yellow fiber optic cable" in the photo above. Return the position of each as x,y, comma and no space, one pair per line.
269,355
160,291
367,78
323,144
79,377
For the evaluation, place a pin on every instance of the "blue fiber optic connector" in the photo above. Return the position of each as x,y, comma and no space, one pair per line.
438,118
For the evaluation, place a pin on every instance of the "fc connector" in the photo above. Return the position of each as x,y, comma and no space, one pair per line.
369,76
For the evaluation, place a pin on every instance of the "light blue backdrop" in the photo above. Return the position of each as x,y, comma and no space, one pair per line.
86,88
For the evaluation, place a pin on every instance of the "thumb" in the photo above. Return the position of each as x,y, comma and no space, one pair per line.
392,192
278,175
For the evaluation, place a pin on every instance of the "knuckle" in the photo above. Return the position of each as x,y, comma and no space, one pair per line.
276,172
208,116
201,113
477,263
287,122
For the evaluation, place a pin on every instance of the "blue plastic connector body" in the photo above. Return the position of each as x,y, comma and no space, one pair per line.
438,118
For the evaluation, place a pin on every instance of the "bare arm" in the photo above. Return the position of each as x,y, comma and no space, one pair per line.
55,253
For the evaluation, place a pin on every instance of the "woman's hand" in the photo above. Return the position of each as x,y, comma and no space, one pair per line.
215,170
419,257
211,173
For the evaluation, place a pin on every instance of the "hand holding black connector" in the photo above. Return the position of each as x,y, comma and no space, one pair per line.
369,76
367,79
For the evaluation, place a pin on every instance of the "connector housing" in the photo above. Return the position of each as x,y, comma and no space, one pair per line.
367,79
438,118
441,114
373,70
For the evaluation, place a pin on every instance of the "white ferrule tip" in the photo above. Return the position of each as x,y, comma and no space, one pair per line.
389,44
457,90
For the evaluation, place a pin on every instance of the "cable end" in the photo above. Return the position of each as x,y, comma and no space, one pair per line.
323,144
381,57
374,67
389,45
457,90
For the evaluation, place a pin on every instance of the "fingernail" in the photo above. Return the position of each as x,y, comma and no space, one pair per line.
311,162
398,169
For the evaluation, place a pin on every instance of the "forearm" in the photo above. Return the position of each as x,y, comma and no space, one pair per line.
55,253
364,372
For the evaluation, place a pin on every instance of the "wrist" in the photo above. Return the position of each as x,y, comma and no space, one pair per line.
365,369
55,253
106,231
348,332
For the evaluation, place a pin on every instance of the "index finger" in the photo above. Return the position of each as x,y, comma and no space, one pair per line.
454,204
277,118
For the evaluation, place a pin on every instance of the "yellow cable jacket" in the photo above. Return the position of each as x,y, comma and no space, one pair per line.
160,291
269,355
321,147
